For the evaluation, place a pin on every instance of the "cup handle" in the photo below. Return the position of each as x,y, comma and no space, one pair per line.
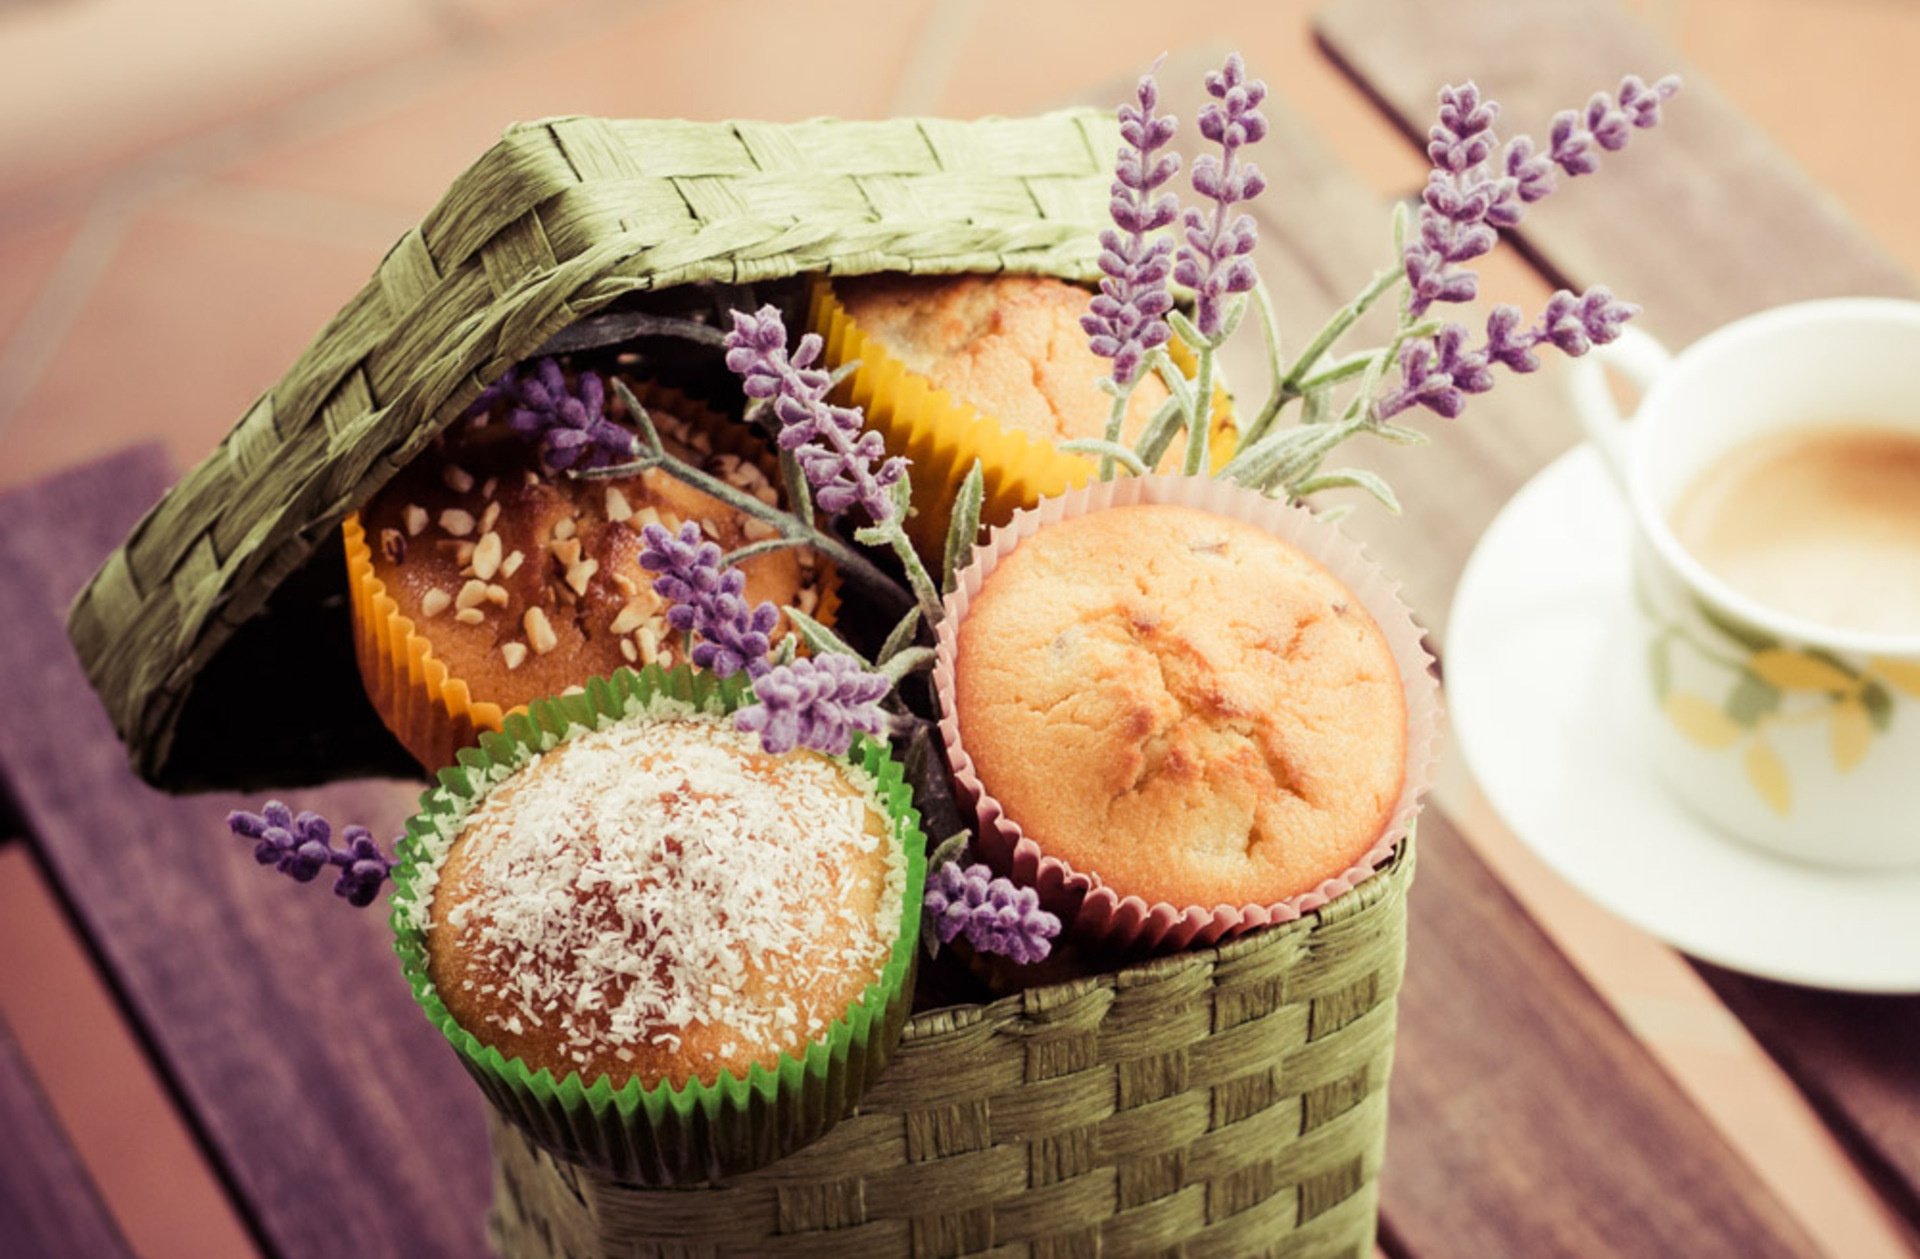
1642,359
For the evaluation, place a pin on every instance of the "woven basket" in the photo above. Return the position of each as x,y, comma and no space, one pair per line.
1227,1101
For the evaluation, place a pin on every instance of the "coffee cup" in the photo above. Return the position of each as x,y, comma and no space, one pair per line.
1782,682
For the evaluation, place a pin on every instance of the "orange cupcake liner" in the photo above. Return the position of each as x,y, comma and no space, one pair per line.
1100,915
942,436
430,711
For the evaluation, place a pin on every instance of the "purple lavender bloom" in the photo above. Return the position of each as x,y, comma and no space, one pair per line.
840,459
1213,261
815,702
708,599
995,914
301,846
1128,317
1469,194
570,423
1440,372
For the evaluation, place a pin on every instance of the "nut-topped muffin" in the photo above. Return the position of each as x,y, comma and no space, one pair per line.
520,581
664,901
1231,717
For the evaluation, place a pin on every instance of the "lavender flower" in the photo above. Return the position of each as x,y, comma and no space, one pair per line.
1213,262
1128,317
835,454
1468,195
1439,372
570,423
708,600
815,702
995,914
301,846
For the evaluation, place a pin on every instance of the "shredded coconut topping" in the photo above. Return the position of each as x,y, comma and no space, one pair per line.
652,876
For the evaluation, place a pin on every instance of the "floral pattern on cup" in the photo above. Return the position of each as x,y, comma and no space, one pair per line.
1770,685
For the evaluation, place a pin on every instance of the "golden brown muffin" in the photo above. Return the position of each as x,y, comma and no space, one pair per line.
1010,346
528,582
1182,704
662,899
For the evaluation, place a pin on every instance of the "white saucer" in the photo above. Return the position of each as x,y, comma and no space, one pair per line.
1536,685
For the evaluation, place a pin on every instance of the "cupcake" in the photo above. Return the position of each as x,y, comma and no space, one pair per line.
1233,719
655,909
996,368
483,580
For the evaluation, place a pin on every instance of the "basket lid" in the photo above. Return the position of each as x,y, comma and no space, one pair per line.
217,634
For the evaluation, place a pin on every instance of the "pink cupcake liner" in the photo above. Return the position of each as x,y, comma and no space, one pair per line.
1092,911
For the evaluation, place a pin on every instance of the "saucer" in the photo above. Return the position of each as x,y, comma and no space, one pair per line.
1538,692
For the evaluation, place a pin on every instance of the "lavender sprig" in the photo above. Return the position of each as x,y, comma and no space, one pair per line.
841,459
996,915
300,846
1127,320
708,601
815,702
1439,372
568,422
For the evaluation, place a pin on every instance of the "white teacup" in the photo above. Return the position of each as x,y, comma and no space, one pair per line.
1795,736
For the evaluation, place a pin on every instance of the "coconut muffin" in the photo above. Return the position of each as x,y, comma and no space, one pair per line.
525,582
1010,346
1229,716
661,899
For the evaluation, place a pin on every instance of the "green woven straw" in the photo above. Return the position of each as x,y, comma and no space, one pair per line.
230,588
664,1136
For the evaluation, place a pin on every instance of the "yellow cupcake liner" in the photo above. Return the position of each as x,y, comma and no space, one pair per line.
430,711
942,435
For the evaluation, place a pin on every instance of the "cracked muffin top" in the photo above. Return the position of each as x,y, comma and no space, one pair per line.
1183,705
1010,346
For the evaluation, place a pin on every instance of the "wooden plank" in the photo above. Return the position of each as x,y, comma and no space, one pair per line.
340,1119
1701,222
48,1204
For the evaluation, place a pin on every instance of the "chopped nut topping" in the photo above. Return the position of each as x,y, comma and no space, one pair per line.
617,506
393,545
567,551
470,616
492,483
514,653
563,528
629,618
456,522
711,528
809,600
463,554
580,574
576,689
434,602
540,635
486,555
758,530
533,478
768,495
649,643
628,650
627,585
416,519
471,595
490,517
511,565
497,595
458,479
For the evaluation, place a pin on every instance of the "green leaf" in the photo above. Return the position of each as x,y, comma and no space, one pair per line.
1660,665
1349,478
1400,435
1184,328
1167,423
905,661
1101,446
1175,380
1402,214
1751,699
964,526
1879,705
902,634
1236,311
1740,632
820,638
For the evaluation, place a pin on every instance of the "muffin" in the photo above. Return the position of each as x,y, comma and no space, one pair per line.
665,902
515,582
1230,717
1009,345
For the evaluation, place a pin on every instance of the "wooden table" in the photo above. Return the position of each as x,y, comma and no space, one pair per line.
1527,1120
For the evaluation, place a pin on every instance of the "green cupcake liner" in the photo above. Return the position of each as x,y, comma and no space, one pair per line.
664,1136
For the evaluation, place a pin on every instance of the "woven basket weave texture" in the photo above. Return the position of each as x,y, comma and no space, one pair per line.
1228,1102
555,221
